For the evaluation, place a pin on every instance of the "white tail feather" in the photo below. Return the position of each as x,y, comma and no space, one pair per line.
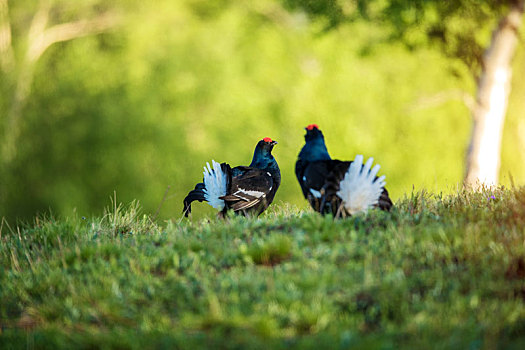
359,189
215,185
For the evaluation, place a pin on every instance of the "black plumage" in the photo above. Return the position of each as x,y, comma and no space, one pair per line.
246,190
320,177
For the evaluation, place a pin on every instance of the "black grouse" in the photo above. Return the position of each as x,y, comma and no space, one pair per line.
342,188
247,190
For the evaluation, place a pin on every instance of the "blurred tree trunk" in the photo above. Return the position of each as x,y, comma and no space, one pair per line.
6,51
39,38
23,78
483,157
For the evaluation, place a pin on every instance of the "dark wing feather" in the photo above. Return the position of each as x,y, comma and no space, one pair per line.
316,177
312,175
239,170
249,189
384,202
300,167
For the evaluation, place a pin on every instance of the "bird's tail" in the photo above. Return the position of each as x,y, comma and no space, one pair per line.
360,190
216,182
196,194
215,185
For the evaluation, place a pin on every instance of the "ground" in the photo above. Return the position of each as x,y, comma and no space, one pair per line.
437,272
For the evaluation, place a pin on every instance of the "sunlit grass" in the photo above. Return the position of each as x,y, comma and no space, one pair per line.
436,272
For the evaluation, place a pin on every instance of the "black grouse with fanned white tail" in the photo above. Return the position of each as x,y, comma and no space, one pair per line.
341,188
247,190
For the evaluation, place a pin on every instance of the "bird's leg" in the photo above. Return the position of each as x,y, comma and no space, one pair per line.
340,211
317,205
187,212
321,206
323,200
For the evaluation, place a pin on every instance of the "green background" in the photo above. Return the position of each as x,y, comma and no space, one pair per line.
179,83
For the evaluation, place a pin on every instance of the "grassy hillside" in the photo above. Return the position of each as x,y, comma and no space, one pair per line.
437,272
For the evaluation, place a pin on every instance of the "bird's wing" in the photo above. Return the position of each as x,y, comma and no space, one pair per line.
300,167
315,175
240,170
336,174
249,189
315,181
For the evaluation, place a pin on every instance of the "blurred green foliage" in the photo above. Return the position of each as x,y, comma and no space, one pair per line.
178,83
461,28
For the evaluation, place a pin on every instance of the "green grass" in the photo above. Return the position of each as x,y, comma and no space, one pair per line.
437,272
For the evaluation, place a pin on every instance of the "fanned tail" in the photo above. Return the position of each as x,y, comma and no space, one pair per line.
215,183
360,190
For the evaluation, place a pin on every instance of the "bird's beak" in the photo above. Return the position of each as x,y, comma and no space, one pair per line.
273,143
